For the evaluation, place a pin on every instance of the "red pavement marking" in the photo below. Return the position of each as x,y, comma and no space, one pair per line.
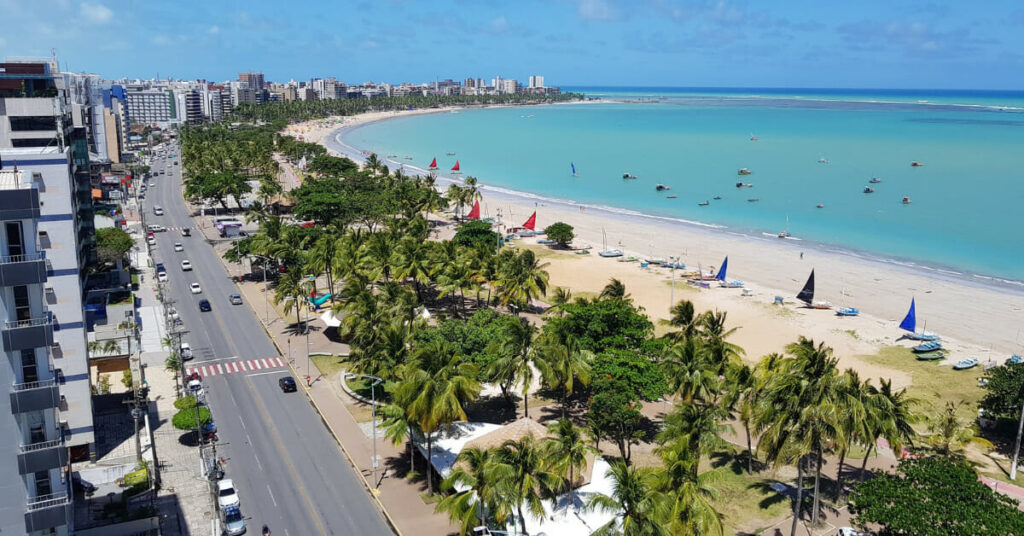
219,369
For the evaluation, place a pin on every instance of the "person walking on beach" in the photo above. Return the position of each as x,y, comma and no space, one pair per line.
801,255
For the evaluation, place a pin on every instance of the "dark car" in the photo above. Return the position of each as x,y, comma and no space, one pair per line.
204,305
287,384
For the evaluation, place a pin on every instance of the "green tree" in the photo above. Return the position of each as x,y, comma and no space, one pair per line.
566,452
186,419
563,366
523,464
690,491
475,471
331,165
950,434
521,279
218,187
112,244
516,361
639,508
602,324
614,414
933,497
561,233
1004,391
476,234
642,375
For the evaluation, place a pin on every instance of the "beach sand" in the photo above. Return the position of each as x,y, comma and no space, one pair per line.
972,319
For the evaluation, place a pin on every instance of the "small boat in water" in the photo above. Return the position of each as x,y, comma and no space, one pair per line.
965,364
672,197
704,203
784,234
717,198
753,200
741,184
820,205
869,190
628,176
926,347
915,163
847,311
744,171
875,180
906,200
932,356
662,187
823,160
450,154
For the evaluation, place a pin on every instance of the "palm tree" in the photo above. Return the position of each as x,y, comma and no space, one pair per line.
173,365
435,385
800,414
291,290
521,279
688,373
714,334
559,299
475,472
682,316
561,365
457,195
472,190
697,427
523,463
950,434
690,491
413,263
744,392
614,290
323,256
373,164
398,424
566,452
639,508
516,364
853,399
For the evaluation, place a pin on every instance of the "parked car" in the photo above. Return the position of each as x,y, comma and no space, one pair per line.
226,494
236,299
287,384
204,305
161,277
195,388
195,288
186,265
186,232
172,313
151,241
178,246
153,228
234,524
185,351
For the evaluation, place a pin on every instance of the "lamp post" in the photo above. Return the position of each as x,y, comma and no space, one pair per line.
308,377
374,382
266,305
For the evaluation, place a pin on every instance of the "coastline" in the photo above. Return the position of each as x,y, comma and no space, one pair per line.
974,317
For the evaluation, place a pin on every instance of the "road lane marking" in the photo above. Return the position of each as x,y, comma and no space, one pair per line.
284,456
271,492
265,373
255,363
241,420
219,370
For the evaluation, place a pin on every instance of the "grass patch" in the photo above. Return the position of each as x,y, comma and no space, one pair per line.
745,500
935,383
852,333
361,387
545,252
430,498
328,365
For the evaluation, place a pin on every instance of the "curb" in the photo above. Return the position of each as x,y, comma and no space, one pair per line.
344,387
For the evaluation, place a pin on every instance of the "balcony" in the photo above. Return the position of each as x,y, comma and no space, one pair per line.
42,456
48,511
25,334
24,269
34,396
19,204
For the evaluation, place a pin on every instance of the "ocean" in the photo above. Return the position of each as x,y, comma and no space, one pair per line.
812,147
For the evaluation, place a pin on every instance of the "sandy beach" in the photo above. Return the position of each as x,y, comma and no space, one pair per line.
973,319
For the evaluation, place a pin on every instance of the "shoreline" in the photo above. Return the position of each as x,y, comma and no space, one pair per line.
958,309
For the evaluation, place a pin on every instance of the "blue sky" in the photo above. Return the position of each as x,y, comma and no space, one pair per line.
800,43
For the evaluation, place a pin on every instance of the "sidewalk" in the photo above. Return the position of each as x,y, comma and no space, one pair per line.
184,501
399,498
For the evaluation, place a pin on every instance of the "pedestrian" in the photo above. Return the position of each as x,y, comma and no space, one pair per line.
801,255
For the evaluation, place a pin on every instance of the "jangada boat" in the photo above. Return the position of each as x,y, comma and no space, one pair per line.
722,281
628,176
662,187
704,203
937,355
965,364
924,348
744,171
869,190
909,324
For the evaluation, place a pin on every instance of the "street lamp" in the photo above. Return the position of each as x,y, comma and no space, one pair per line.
308,380
266,305
374,381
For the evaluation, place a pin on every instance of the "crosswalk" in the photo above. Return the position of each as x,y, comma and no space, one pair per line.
242,365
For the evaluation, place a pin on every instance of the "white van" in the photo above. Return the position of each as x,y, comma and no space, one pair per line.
158,210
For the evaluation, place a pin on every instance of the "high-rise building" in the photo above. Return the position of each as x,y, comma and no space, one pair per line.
46,421
536,82
150,106
255,80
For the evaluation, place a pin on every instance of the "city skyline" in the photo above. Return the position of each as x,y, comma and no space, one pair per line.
574,42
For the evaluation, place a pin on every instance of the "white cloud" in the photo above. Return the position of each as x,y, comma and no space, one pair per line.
161,40
499,25
96,13
213,30
596,10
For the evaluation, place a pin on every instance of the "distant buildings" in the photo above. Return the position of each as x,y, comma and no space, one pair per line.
252,80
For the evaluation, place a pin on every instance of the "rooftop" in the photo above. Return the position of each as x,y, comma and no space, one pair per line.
13,180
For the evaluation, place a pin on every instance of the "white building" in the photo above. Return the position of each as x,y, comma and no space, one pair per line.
536,82
151,106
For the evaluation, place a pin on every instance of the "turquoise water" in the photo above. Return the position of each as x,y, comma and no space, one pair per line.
966,209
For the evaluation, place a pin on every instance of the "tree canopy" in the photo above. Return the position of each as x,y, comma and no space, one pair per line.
1004,391
642,376
112,244
602,324
934,497
476,234
480,339
218,187
331,165
561,233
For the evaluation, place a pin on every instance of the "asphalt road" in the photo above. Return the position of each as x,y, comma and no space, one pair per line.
288,470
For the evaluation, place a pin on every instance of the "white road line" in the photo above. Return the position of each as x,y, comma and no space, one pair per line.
280,362
256,364
241,420
265,373
271,495
219,370
205,373
219,359
234,366
241,366
267,363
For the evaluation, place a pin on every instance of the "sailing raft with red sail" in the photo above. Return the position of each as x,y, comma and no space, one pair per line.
475,213
433,164
455,168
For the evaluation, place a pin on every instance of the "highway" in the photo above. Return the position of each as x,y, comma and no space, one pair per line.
288,470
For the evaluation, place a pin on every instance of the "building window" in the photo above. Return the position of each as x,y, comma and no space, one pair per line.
34,142
22,307
15,239
36,434
43,487
29,370
22,124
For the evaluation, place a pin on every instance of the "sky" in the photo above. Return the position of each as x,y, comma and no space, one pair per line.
672,43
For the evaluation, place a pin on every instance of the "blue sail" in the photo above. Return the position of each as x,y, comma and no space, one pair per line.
573,167
721,271
910,321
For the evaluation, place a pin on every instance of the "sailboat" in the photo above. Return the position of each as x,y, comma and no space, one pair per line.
910,324
573,166
847,311
433,164
785,234
475,213
806,295
527,229
605,252
720,276
456,168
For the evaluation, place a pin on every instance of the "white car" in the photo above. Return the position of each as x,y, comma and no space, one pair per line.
185,351
195,288
178,246
158,210
195,387
186,265
151,241
226,494
156,228
172,313
161,277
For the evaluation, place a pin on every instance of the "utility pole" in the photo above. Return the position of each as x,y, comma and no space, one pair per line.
1016,445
